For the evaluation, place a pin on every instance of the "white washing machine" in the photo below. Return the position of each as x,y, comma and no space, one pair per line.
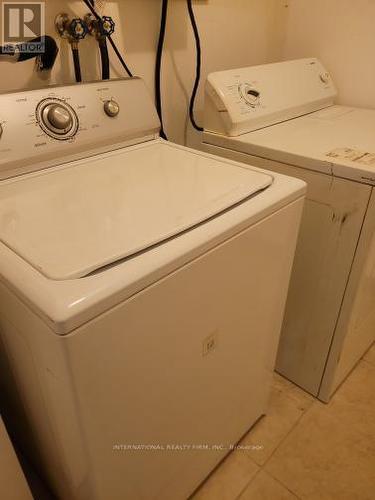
139,315
282,117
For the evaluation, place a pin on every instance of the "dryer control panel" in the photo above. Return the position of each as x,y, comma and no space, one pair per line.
247,99
45,127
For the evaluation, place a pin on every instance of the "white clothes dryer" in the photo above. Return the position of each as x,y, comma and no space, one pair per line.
282,117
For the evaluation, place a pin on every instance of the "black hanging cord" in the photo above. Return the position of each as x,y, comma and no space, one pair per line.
104,58
198,66
77,64
117,52
158,64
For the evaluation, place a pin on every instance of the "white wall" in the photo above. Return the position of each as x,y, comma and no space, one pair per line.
234,33
342,34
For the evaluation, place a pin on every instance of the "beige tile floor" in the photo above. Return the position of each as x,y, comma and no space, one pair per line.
305,449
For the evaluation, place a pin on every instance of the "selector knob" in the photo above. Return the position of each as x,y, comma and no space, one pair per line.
249,94
111,108
252,96
59,117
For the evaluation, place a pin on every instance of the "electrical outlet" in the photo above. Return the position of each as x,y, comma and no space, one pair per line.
209,344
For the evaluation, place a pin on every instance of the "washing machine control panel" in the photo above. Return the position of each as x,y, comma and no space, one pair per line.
243,100
39,128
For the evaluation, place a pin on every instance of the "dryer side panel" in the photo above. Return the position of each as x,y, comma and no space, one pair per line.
331,226
355,331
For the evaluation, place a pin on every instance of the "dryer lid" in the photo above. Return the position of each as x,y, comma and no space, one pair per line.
337,141
73,220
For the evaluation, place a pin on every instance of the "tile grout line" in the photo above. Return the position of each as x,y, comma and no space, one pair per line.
304,412
314,404
248,484
288,433
262,467
366,353
371,363
282,484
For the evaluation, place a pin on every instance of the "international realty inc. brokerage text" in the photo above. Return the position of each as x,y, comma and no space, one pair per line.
185,447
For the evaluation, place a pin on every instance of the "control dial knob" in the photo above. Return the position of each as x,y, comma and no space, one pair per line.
59,117
325,77
249,94
111,108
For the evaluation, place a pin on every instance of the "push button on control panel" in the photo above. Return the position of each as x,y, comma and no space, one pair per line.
111,108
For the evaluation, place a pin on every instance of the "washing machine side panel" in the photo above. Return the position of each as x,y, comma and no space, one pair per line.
188,361
38,400
355,331
12,480
331,224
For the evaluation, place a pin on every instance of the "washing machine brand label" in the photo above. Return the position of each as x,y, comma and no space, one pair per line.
355,155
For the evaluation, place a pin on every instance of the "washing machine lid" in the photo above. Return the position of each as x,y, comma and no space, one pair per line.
338,140
73,220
